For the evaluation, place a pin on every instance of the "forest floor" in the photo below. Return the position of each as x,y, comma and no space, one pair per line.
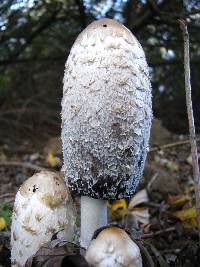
163,210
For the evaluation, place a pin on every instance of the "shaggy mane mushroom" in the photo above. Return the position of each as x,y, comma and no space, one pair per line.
42,208
106,119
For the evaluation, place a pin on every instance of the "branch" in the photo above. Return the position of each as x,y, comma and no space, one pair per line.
158,11
193,141
140,20
170,18
5,6
144,17
167,146
45,24
82,13
25,165
158,233
62,59
12,61
177,61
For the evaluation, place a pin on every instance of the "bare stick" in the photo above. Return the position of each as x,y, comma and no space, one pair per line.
25,165
193,142
167,146
158,233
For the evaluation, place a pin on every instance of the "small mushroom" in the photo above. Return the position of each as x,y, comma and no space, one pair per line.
106,119
43,207
113,248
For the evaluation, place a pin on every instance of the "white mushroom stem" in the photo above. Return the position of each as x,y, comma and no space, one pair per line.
93,216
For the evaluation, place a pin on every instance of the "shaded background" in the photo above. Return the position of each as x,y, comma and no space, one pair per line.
36,37
35,40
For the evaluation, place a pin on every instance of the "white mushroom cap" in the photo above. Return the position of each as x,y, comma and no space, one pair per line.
106,112
43,206
113,248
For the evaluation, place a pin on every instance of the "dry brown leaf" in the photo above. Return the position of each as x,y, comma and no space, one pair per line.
66,255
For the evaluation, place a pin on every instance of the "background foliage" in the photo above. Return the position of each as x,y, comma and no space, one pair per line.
36,37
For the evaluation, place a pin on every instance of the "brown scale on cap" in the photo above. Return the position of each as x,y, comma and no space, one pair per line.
52,196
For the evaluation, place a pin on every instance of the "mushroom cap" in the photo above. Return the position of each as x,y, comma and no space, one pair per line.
113,247
106,112
48,187
43,207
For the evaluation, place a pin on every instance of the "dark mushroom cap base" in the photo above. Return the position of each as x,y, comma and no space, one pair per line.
114,175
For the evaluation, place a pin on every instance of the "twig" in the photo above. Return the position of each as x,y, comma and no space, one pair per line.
26,165
193,142
151,181
180,143
160,232
7,197
153,205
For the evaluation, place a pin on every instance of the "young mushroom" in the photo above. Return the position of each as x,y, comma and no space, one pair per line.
106,119
43,207
113,248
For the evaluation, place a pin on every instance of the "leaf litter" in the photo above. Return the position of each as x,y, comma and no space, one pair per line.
162,211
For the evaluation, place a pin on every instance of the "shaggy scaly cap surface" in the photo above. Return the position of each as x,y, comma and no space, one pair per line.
106,112
42,207
113,248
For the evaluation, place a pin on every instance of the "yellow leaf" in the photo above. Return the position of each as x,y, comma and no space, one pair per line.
190,189
119,204
186,213
190,224
174,200
2,223
51,160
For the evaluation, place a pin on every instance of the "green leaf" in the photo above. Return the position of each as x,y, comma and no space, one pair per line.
6,213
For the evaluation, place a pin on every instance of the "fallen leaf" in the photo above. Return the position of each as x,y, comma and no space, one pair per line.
66,255
118,205
141,215
52,160
6,213
186,213
3,224
188,217
174,200
190,189
139,198
190,224
158,255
